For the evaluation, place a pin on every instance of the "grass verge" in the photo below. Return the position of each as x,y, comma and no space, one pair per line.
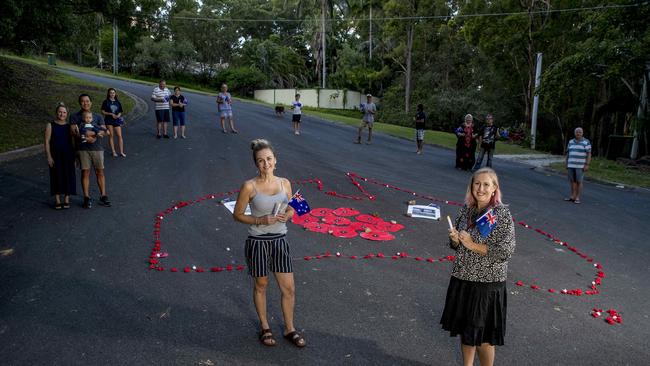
30,93
612,172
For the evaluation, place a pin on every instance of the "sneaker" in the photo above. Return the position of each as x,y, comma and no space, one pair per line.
88,203
368,143
358,141
103,200
158,137
166,136
296,133
183,136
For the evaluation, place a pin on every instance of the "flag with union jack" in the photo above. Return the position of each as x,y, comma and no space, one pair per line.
299,204
486,223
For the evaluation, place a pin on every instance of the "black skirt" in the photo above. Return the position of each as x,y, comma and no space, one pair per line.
476,311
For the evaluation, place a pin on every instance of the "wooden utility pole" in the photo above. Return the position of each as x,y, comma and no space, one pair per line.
115,58
322,38
370,35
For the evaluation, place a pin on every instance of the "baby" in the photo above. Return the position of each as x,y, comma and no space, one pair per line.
88,129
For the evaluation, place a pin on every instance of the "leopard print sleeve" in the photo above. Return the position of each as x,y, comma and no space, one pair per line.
501,241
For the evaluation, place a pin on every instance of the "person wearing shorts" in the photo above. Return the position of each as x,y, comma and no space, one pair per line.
91,152
267,250
178,103
297,113
578,158
161,96
369,109
112,111
224,106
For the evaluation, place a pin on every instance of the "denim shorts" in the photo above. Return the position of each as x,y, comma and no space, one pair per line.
576,175
179,118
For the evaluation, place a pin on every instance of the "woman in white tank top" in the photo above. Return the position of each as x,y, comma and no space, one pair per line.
266,248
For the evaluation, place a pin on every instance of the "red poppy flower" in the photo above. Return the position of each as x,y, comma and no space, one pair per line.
345,211
430,260
320,212
200,269
534,287
229,267
519,283
307,258
380,255
160,269
343,232
388,226
369,219
216,269
551,290
418,258
362,226
335,220
174,269
353,257
187,269
317,227
301,220
377,236
240,267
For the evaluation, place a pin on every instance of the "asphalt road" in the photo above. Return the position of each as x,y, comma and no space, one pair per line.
77,289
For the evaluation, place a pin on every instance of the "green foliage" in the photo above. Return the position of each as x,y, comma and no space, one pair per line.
241,80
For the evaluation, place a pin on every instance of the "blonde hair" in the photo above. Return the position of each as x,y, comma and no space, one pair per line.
60,105
495,200
260,144
468,116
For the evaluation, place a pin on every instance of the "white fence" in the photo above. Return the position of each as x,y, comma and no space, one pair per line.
318,98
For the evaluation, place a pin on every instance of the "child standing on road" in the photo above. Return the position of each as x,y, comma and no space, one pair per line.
295,106
420,124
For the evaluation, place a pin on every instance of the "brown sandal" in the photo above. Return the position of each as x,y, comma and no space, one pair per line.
295,338
265,336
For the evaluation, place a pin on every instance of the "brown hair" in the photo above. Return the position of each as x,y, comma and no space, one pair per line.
260,144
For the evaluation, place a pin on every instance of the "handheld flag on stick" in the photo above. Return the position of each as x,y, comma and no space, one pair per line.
299,204
486,223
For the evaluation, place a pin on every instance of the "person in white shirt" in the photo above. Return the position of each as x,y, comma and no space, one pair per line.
224,106
578,157
161,96
369,109
295,106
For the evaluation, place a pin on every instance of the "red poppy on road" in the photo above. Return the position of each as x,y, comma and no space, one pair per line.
368,219
389,226
335,220
343,232
320,212
362,226
346,211
317,227
301,220
377,236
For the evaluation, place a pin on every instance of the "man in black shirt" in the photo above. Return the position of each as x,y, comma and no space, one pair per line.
486,140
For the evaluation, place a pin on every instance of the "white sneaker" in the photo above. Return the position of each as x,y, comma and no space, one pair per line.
297,132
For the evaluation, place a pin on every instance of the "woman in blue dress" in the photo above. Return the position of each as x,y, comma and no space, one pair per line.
59,149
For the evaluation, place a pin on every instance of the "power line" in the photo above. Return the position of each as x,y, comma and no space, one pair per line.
432,17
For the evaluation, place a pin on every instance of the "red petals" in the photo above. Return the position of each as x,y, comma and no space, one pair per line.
317,227
519,283
343,232
377,236
174,269
320,212
304,219
534,287
345,211
187,269
369,219
335,220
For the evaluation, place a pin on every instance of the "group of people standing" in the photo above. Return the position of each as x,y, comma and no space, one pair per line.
76,140
469,138
165,101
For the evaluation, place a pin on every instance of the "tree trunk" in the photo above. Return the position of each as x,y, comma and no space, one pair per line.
409,54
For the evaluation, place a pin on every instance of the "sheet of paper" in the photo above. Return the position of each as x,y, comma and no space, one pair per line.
230,206
424,212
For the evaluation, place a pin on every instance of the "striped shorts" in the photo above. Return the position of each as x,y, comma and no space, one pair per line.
268,253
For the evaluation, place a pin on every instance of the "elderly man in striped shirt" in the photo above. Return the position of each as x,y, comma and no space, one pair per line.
578,157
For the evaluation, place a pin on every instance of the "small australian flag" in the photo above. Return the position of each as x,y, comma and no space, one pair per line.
299,204
486,223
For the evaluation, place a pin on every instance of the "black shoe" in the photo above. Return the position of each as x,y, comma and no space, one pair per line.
103,200
158,137
166,136
88,203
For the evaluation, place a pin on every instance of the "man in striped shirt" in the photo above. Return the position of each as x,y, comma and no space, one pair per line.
578,158
161,95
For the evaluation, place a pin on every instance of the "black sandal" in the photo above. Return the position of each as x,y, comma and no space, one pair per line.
295,338
58,206
265,335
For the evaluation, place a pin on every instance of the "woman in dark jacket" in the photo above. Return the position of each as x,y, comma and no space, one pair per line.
484,238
